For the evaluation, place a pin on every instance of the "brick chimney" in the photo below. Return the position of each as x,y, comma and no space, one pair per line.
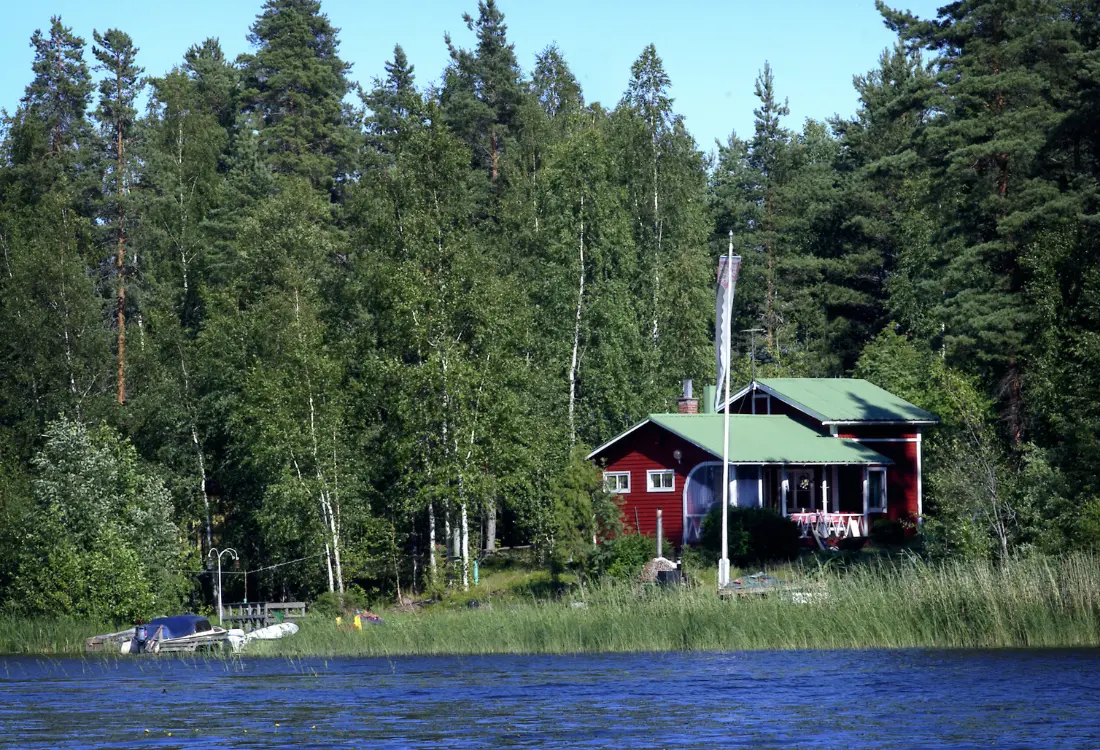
687,404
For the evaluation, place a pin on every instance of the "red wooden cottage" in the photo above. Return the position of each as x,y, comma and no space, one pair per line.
834,455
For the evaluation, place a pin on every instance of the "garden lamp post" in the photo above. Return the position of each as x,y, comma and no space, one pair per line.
228,551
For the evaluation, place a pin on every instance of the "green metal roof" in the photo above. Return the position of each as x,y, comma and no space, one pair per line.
760,438
846,400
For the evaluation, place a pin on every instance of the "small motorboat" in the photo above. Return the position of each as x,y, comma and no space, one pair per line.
238,639
180,633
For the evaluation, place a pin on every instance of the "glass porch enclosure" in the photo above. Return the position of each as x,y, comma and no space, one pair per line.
835,501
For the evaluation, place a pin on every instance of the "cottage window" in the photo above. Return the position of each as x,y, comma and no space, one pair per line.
617,482
761,403
661,481
876,490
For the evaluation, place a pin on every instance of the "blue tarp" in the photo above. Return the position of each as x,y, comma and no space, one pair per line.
177,626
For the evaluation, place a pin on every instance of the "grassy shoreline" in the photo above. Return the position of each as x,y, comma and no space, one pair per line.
1030,602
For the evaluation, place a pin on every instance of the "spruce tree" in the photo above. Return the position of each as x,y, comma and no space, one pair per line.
769,157
664,181
393,103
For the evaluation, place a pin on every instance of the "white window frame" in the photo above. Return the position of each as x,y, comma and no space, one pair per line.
867,491
660,472
618,490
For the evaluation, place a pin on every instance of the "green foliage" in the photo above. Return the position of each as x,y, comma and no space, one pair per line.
331,604
583,513
755,535
101,523
295,82
623,556
888,531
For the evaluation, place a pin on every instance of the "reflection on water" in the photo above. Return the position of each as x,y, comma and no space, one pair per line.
803,699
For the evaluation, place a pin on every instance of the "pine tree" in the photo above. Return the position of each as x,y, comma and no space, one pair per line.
54,353
482,91
51,139
984,147
117,116
295,82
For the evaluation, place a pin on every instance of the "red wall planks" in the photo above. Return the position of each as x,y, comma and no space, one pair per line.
651,448
900,446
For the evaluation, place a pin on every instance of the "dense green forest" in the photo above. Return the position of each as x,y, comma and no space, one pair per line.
369,327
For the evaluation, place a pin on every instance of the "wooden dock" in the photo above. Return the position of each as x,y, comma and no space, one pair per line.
249,616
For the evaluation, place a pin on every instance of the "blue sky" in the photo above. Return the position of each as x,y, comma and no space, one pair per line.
712,50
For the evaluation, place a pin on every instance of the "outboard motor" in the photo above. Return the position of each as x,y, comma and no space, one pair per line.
140,636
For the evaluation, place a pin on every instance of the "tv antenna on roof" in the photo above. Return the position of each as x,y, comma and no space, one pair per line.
752,357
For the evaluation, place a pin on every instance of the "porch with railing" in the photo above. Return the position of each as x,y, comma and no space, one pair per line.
830,525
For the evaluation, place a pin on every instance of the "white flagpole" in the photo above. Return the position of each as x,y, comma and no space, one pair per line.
724,563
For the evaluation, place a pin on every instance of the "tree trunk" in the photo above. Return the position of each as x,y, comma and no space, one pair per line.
202,487
121,315
198,452
329,520
328,564
1015,404
494,157
121,256
415,560
465,549
432,567
448,537
769,273
393,554
490,526
657,232
576,335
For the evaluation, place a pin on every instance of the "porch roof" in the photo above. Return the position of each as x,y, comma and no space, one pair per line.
767,439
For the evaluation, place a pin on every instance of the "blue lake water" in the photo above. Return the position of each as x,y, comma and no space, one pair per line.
806,699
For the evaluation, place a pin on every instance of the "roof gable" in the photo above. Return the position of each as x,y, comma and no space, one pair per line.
845,400
760,439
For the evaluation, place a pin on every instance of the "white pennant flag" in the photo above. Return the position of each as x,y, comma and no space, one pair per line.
728,268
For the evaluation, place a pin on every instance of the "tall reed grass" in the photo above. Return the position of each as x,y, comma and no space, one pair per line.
1023,603
43,636
1028,602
